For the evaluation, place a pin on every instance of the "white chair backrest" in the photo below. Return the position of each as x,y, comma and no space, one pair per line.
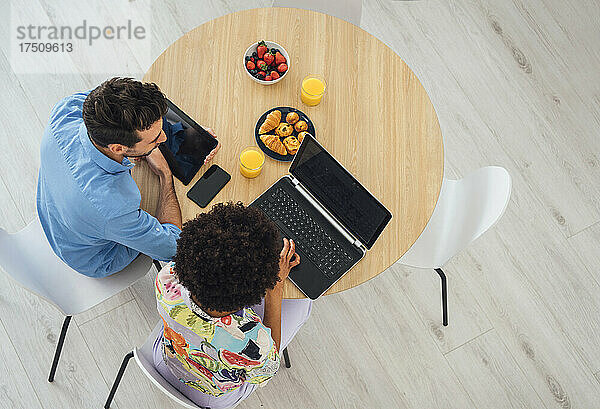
28,258
144,357
349,10
466,208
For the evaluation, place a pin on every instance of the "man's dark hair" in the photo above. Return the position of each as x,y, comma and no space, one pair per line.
228,258
120,106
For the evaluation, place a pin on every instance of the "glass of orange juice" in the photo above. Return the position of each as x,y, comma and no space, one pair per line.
312,90
251,161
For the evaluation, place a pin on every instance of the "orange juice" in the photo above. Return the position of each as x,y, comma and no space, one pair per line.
251,162
313,88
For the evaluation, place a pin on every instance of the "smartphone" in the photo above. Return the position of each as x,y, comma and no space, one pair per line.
209,184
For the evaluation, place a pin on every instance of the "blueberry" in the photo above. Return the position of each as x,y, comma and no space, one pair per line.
255,54
247,58
253,72
275,50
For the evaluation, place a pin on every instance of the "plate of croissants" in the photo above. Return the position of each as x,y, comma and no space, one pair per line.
280,131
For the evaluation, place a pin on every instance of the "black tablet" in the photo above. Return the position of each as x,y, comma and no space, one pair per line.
195,144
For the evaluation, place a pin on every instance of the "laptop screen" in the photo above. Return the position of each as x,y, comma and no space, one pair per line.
357,209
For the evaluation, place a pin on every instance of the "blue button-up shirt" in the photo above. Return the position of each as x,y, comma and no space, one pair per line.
89,205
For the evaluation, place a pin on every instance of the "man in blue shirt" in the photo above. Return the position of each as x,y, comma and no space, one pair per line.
87,201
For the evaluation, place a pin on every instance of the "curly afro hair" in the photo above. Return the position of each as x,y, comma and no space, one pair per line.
228,258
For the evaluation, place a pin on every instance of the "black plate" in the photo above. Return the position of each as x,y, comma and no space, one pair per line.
284,112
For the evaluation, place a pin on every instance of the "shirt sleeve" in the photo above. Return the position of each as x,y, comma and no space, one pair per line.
261,374
140,231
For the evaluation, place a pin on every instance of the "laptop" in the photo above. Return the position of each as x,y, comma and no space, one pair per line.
331,217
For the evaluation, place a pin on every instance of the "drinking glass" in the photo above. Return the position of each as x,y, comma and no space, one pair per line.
252,160
312,89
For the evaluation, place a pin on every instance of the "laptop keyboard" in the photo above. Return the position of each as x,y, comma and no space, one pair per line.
308,235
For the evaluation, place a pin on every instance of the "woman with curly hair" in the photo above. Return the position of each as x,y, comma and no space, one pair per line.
221,302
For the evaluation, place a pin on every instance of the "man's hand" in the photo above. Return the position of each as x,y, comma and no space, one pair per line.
209,130
288,259
214,151
157,163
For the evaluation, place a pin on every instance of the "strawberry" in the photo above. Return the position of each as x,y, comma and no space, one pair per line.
279,58
274,75
264,74
269,58
250,65
282,67
261,49
261,65
268,78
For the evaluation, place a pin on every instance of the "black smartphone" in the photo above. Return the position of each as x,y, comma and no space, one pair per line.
207,187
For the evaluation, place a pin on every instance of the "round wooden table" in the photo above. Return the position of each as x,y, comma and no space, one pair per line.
375,117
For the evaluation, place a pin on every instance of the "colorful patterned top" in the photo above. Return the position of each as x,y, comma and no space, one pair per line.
213,355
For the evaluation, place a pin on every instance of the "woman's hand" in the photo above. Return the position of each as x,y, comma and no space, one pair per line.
288,259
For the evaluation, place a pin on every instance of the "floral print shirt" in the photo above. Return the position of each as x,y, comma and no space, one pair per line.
213,355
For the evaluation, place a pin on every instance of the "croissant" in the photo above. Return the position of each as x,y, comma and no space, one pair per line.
272,142
292,144
271,121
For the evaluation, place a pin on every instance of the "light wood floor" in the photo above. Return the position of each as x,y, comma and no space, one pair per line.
516,84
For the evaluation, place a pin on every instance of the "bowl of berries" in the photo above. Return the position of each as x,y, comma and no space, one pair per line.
266,62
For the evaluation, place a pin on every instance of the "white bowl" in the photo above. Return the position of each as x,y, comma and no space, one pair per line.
270,44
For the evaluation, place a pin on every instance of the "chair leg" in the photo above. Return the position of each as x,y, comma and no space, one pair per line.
61,341
113,390
444,296
157,265
286,358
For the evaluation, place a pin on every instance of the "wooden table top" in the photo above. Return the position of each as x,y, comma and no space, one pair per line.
375,117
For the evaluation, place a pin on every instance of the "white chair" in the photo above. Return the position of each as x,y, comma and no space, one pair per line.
144,357
349,10
28,258
466,208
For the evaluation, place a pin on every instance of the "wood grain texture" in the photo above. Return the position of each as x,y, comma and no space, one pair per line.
34,326
527,327
310,391
20,137
14,395
143,293
525,119
366,121
486,357
466,318
488,143
529,276
10,218
341,353
587,244
389,316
